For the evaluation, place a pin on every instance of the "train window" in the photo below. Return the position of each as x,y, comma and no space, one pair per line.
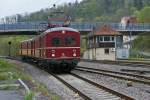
56,42
70,41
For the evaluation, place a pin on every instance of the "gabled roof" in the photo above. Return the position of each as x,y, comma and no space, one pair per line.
104,30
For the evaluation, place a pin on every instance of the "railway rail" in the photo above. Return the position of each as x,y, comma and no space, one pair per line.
71,87
120,62
120,75
102,92
116,72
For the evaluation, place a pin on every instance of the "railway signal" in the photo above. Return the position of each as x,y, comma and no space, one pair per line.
9,53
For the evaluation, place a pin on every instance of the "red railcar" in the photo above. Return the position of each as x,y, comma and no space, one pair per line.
57,49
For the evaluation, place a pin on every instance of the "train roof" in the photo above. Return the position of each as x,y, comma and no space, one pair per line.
53,30
61,29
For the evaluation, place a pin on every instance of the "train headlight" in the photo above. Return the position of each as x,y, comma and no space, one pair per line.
74,55
63,32
53,55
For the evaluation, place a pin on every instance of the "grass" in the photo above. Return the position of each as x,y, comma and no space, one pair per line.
42,87
11,72
7,71
29,96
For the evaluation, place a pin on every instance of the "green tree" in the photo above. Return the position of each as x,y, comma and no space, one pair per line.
142,42
144,15
15,44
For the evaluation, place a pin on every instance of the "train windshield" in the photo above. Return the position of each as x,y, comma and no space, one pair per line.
70,41
56,41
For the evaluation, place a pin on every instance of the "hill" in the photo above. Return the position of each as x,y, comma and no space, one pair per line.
90,10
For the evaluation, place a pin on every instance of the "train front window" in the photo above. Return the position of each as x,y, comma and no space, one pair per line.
56,42
70,41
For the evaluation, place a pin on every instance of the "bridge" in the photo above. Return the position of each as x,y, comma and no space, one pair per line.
33,28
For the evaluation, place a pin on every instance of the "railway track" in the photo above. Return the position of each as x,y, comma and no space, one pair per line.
120,75
116,72
89,90
122,63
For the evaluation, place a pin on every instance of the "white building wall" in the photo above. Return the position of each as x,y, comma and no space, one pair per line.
99,55
126,41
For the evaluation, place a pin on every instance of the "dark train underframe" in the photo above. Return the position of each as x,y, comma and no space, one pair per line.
52,65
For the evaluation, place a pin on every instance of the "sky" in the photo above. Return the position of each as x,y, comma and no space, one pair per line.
12,7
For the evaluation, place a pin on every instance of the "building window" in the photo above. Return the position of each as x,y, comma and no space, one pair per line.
100,38
106,51
112,38
106,38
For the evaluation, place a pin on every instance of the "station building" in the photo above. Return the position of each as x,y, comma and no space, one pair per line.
102,44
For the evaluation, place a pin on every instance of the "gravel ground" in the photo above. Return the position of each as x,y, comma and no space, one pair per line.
114,67
91,91
137,91
53,85
11,95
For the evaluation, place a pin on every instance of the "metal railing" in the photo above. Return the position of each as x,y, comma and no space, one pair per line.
35,26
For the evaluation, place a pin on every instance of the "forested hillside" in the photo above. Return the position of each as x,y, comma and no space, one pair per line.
90,10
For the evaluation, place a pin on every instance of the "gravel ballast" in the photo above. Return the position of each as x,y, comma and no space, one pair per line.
137,91
115,67
53,85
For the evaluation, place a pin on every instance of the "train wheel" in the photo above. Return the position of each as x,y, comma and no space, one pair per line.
51,68
67,68
23,58
40,65
57,68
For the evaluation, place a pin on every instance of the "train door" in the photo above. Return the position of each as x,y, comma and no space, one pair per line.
40,47
31,48
27,48
34,48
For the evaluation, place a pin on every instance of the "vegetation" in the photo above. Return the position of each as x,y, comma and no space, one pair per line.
142,42
10,72
7,71
29,96
14,47
90,10
83,45
143,15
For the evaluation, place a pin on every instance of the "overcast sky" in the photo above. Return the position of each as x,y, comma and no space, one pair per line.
12,7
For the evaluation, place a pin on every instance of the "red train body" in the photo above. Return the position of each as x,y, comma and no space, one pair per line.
57,49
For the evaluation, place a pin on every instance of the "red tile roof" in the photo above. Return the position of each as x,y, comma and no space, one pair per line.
106,30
